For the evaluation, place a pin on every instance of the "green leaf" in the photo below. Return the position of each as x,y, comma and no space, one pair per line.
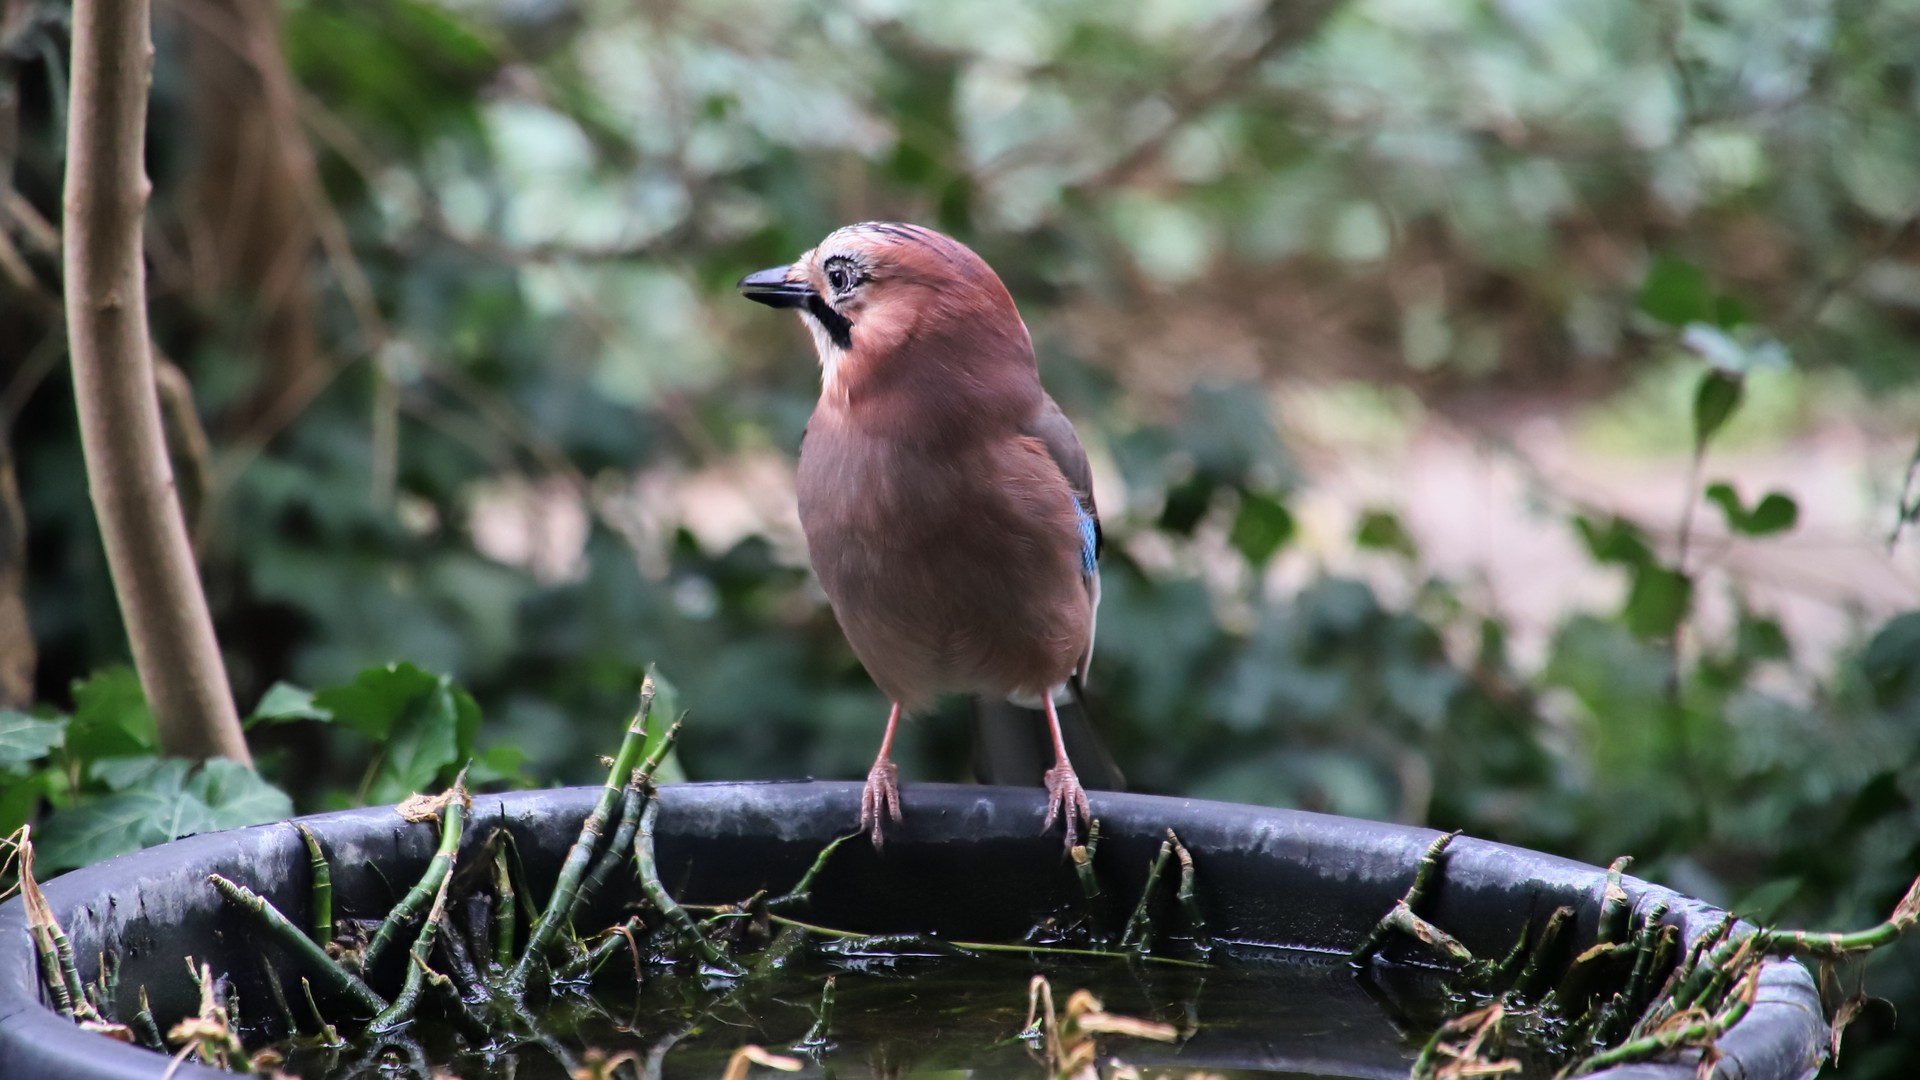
284,701
1714,404
1729,313
1262,526
1187,502
234,795
100,828
110,717
20,798
1619,542
132,770
377,699
26,738
1676,292
1764,903
1760,638
499,764
1776,512
1382,530
466,722
1892,659
160,799
1658,601
1721,494
424,741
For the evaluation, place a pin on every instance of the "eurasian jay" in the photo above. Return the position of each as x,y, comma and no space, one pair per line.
947,503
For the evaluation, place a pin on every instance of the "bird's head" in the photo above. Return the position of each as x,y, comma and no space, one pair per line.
890,303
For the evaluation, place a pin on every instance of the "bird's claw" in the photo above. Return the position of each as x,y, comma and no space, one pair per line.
1066,798
880,799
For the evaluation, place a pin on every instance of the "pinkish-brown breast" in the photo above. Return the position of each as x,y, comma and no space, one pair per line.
952,567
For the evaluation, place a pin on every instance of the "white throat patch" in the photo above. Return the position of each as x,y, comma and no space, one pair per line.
830,353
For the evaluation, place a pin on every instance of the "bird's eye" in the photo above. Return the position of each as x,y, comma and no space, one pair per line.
842,274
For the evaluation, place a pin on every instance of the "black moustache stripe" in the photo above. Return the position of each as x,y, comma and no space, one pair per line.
837,326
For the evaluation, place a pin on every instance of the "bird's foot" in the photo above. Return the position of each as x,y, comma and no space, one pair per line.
1066,798
880,799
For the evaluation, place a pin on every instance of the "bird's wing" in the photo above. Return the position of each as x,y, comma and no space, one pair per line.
1056,433
1010,745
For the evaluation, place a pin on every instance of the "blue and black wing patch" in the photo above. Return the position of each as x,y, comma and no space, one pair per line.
1090,539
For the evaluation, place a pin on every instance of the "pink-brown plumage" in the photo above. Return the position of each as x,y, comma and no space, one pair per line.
946,501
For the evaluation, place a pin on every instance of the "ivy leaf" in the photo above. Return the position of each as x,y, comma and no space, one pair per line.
1382,530
26,738
1619,542
377,699
1774,513
132,770
1187,502
1675,292
502,763
423,741
284,701
161,799
1892,659
1764,904
20,797
234,795
1714,403
1261,527
1658,601
110,717
115,824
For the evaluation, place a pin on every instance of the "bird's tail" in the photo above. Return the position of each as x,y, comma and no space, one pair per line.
1011,744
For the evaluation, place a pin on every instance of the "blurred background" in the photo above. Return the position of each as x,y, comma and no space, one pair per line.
1504,413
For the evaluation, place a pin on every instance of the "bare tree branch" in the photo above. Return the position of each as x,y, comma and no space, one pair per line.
132,484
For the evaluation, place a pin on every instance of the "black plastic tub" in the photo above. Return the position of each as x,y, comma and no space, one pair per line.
967,864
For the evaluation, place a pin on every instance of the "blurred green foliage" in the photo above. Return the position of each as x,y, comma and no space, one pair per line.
526,220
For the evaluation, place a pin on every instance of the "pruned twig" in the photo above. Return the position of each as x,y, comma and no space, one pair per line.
566,886
453,822
296,941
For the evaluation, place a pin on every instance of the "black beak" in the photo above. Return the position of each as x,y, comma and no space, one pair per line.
771,287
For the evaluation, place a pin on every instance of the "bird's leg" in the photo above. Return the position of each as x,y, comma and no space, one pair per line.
1065,796
882,794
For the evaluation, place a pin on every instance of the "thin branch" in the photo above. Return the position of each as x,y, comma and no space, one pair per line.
148,552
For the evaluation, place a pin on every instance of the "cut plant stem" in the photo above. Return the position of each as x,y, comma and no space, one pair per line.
1189,900
279,995
962,947
505,917
50,975
818,1040
617,852
1833,946
566,887
802,890
144,1026
1616,908
296,941
669,909
1139,930
588,963
453,822
1700,1032
322,901
1082,856
56,952
400,1013
1402,919
329,1033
